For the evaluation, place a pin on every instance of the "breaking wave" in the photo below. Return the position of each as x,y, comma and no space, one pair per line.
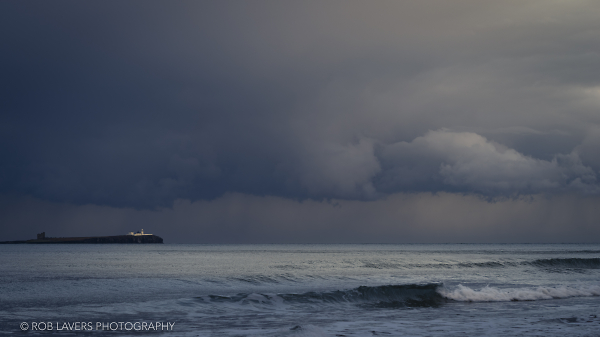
409,295
492,294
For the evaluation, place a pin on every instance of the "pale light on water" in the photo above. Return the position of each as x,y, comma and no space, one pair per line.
351,290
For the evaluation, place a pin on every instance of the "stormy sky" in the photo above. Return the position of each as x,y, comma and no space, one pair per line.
301,121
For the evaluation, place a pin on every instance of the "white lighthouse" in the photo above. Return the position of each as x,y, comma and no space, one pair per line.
138,233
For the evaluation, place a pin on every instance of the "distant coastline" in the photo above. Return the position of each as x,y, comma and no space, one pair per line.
129,238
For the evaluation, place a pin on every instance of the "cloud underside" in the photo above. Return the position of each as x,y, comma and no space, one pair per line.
438,161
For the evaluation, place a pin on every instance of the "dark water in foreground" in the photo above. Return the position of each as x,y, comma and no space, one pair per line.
304,290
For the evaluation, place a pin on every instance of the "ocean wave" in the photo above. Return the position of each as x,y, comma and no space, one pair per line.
493,294
554,263
490,264
256,279
577,263
408,295
385,296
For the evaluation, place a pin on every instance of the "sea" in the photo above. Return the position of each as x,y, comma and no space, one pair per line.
300,290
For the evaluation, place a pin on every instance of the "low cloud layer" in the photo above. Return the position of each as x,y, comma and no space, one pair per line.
398,218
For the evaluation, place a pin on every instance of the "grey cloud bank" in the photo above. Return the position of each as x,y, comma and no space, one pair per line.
471,163
140,105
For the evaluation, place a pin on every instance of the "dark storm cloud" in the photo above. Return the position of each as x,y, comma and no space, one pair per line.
142,103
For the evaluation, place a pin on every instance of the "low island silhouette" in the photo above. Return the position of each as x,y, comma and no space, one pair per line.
131,237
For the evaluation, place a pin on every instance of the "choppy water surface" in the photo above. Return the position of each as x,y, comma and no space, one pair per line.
307,290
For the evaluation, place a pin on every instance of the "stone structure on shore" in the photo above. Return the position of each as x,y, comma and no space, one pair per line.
138,237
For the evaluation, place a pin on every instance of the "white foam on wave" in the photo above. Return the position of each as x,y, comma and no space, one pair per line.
493,294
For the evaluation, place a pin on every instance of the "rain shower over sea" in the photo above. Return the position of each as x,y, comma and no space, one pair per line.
305,290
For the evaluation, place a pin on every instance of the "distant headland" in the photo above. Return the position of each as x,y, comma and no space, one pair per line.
131,237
